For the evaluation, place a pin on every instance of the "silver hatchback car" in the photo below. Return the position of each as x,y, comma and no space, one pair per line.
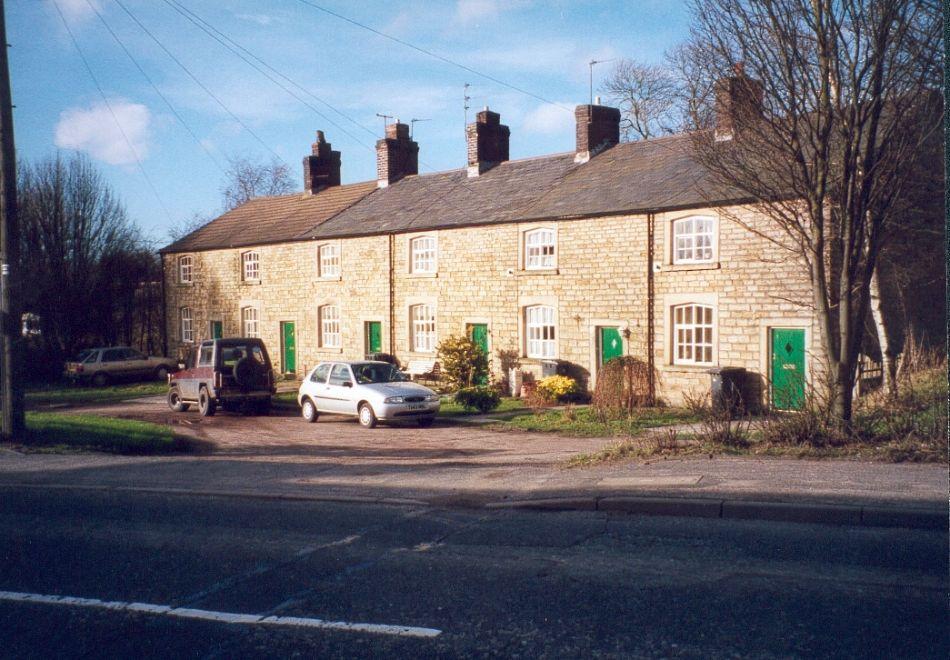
370,391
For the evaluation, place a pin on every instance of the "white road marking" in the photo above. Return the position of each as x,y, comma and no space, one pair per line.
223,617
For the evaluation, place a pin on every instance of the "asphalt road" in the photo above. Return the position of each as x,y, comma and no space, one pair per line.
499,583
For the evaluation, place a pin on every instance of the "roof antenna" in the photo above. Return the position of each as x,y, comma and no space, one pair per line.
384,117
412,125
591,66
465,99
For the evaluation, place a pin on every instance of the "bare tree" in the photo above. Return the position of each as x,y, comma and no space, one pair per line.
839,96
649,98
187,225
246,179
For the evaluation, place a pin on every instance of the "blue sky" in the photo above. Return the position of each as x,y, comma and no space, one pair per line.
542,47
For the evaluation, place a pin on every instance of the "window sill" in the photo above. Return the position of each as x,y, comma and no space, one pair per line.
250,282
422,275
538,271
687,368
681,267
328,349
335,278
184,285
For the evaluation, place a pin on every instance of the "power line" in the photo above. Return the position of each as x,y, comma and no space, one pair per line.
199,83
115,118
234,47
432,54
155,87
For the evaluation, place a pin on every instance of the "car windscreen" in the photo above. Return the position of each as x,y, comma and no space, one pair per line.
87,355
230,354
376,373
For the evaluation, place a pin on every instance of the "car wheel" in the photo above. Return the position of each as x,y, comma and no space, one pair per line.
161,373
309,411
206,405
175,402
425,422
367,416
100,380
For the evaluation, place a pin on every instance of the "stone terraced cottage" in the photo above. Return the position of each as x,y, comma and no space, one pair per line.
568,259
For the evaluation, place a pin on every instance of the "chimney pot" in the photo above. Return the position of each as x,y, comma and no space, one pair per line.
321,169
598,128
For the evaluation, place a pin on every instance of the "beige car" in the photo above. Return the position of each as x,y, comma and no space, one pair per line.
100,366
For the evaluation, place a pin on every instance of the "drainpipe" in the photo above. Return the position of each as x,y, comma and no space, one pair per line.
392,295
164,317
651,330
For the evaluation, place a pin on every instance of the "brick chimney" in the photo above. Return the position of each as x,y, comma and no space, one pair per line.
598,128
322,168
738,101
397,156
487,140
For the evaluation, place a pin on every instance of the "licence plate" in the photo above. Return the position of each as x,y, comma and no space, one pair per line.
415,406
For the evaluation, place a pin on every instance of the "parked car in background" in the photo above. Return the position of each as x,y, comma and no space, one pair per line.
235,373
102,366
370,391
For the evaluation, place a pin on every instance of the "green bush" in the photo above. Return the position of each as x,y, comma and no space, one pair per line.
558,388
482,399
463,361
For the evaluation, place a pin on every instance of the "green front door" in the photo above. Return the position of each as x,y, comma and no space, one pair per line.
788,368
374,337
288,350
478,333
611,345
217,329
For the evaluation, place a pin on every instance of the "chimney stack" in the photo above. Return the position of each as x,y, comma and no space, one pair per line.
598,128
397,156
738,101
487,140
322,168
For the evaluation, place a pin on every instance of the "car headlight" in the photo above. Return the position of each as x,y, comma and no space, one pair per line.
432,397
394,399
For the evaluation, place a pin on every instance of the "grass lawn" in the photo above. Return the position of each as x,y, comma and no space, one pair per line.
56,432
78,394
583,422
507,405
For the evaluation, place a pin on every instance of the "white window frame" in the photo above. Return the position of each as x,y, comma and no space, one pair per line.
251,266
424,255
689,240
186,325
328,259
540,325
250,321
330,334
693,332
422,325
186,265
540,249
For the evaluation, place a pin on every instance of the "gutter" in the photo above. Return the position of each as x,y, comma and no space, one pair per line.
651,308
392,295
164,318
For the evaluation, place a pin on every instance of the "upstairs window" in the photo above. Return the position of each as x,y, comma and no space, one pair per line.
329,260
539,249
251,266
185,269
250,322
540,332
693,334
422,325
187,326
693,240
423,255
330,336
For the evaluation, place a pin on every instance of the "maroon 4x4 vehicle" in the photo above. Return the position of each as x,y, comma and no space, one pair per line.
234,373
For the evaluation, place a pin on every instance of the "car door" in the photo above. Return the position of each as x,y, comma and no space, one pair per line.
113,362
340,390
316,387
137,364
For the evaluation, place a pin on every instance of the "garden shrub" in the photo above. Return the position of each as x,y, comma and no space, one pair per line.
482,399
558,388
462,360
623,385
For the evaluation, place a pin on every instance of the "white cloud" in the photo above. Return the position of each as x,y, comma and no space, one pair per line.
94,131
550,119
260,19
467,11
77,11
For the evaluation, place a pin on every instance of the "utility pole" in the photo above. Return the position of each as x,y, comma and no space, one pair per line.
11,394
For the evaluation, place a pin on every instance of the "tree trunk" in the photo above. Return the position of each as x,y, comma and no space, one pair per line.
888,364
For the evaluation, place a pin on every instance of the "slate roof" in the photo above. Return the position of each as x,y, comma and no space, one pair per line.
272,219
633,177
